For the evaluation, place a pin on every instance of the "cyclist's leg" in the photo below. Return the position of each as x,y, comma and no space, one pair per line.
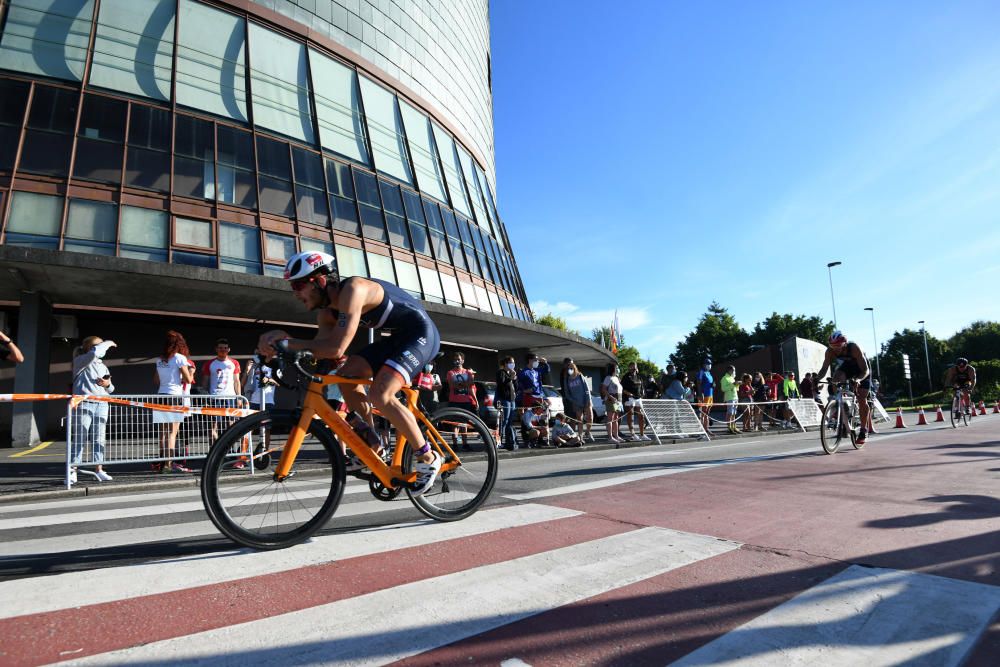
354,394
863,407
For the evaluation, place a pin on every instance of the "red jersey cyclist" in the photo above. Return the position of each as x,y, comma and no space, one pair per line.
341,307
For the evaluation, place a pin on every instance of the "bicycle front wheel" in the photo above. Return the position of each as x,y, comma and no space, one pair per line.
956,411
832,429
257,511
458,493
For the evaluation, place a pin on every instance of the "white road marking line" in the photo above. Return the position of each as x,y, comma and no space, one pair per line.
358,631
31,596
862,616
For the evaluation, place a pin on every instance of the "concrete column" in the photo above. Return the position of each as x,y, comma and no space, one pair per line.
34,332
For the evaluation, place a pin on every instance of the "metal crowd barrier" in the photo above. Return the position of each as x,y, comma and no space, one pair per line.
110,430
672,419
807,412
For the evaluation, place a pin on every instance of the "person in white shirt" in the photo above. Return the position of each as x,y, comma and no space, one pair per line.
534,430
173,375
611,392
220,377
90,419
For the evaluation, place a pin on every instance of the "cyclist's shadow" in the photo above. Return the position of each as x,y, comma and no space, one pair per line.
959,508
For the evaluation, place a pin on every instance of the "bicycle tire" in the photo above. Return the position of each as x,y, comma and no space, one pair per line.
855,429
460,492
956,409
242,505
830,430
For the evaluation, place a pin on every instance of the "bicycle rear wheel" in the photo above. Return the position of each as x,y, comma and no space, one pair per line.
956,411
460,492
832,429
258,511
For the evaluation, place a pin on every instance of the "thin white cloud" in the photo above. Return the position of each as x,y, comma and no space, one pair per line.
585,320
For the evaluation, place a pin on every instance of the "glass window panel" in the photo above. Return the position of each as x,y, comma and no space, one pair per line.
149,128
431,282
433,214
338,178
463,230
452,293
380,267
194,178
9,138
430,180
491,227
194,138
468,294
280,84
338,107
197,233
13,99
308,168
272,156
392,201
482,298
351,262
446,147
345,215
89,247
397,231
307,243
421,241
98,160
495,303
457,256
372,224
240,265
92,220
32,213
235,147
134,47
147,169
102,118
47,142
138,252
310,206
484,265
385,128
211,61
276,196
31,240
53,109
194,259
470,185
239,242
367,188
46,153
411,203
440,246
274,270
472,262
237,186
407,277
278,247
450,226
143,227
47,37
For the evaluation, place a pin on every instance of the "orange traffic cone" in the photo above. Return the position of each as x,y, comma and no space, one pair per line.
982,408
899,419
996,408
940,415
921,419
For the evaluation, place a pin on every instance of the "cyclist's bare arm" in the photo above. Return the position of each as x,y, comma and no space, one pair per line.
827,360
972,378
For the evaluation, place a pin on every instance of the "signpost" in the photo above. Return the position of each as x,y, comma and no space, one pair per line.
906,374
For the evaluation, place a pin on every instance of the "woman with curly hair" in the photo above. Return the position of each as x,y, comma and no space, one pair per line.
173,376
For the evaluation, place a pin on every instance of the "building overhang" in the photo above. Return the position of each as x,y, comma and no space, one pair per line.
69,279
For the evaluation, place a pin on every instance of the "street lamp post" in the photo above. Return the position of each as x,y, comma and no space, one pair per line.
878,366
829,270
927,356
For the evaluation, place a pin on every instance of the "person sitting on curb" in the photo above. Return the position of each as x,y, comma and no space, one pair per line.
534,430
563,434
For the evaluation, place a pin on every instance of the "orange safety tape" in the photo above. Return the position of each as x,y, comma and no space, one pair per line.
76,400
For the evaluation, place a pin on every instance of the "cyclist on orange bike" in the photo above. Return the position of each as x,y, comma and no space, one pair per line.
344,305
849,363
962,376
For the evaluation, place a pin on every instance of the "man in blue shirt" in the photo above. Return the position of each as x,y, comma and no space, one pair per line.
529,380
704,384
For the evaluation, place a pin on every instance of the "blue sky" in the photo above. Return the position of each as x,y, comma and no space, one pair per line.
653,157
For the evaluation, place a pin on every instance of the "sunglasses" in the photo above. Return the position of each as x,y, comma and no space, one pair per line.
299,284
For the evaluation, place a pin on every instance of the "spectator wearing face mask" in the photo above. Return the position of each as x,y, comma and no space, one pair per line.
576,399
529,380
704,383
611,393
505,400
632,390
427,383
563,434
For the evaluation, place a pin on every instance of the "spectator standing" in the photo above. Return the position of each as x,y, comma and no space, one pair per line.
774,381
653,388
744,394
806,386
259,384
427,383
667,378
90,419
529,380
632,391
461,393
220,377
789,390
761,392
678,390
728,385
576,399
8,350
505,399
173,371
611,393
704,383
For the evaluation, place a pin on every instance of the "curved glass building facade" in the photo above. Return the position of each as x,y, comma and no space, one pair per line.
229,135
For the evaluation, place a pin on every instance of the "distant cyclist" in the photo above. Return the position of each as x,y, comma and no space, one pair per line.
962,376
848,362
342,306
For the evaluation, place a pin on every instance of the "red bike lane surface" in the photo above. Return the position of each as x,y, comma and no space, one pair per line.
922,501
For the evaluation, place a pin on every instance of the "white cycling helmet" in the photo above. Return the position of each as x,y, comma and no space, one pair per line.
310,263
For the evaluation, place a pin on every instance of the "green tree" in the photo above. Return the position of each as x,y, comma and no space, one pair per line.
554,321
717,335
601,335
627,354
978,341
911,342
776,328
